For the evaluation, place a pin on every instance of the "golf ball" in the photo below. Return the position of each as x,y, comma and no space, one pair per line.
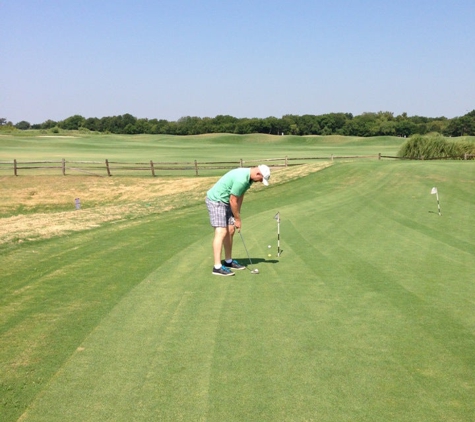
268,246
269,255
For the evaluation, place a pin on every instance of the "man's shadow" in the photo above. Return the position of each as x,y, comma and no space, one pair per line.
245,261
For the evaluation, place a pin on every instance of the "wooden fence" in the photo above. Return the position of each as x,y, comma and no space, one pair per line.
422,158
109,168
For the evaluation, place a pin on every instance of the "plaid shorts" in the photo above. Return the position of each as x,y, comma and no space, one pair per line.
220,214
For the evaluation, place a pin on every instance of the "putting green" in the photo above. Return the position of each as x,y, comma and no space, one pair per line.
367,315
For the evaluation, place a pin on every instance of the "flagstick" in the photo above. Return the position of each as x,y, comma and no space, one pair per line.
436,191
438,203
277,217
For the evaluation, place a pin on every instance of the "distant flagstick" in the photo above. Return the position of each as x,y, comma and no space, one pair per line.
434,191
277,217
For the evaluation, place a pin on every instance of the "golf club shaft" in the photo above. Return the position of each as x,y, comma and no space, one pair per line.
248,257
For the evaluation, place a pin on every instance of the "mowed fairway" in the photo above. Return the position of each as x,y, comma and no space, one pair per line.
368,314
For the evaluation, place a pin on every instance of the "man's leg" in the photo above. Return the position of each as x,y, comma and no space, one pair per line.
220,234
228,243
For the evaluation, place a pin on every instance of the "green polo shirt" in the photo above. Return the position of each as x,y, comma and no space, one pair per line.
235,182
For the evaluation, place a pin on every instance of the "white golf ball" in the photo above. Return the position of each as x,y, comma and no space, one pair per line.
269,246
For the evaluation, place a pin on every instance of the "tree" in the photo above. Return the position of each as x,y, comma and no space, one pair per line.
206,125
405,128
272,125
461,126
362,125
243,127
437,125
5,123
143,126
188,125
72,123
224,124
23,125
290,122
308,125
333,122
93,123
128,119
48,124
160,126
470,114
387,128
130,129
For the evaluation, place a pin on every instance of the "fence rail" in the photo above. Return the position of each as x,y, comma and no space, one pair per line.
108,168
422,158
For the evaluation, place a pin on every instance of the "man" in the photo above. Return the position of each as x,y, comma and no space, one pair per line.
224,201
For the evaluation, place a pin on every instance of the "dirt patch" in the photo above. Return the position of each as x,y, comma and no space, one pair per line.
42,207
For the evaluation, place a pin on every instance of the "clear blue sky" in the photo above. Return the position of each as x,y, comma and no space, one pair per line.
247,58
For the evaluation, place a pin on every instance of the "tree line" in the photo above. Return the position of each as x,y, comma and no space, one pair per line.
364,125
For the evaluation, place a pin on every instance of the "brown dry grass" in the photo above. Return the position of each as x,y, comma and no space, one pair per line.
41,207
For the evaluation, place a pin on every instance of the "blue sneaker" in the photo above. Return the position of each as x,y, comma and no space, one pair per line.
224,271
234,265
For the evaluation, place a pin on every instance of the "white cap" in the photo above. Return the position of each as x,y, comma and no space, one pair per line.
265,171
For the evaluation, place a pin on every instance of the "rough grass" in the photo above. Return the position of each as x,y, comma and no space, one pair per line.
435,147
42,207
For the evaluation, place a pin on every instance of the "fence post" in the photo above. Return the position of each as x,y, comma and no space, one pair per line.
465,156
286,163
241,162
196,168
63,166
379,156
332,157
107,167
153,169
15,171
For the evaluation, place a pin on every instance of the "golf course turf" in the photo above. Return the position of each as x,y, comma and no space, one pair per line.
367,315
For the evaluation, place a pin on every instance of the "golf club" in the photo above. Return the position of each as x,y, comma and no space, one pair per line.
254,271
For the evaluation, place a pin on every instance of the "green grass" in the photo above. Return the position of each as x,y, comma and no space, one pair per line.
366,316
77,146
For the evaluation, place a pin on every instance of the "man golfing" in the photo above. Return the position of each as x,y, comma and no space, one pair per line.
224,201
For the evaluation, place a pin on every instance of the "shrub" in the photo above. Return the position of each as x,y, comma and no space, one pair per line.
433,147
467,147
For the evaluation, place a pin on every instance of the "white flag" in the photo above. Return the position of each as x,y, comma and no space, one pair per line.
433,191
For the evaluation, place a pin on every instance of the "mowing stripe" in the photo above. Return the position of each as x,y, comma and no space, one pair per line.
367,315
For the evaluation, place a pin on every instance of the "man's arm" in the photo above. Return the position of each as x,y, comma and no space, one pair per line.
235,203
